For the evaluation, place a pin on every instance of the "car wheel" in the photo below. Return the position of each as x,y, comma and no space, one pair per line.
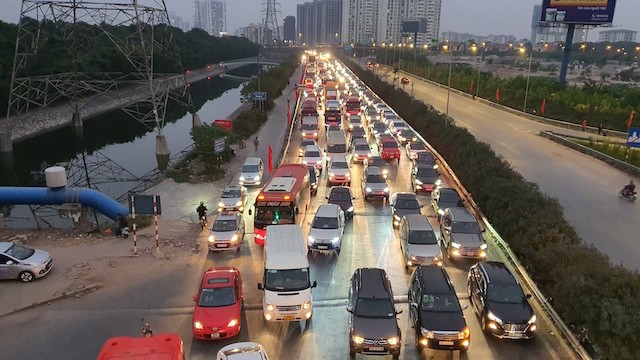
396,356
26,276
352,353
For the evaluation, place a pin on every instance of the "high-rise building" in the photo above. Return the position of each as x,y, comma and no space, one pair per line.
253,32
371,21
617,35
548,34
210,16
289,29
178,22
319,22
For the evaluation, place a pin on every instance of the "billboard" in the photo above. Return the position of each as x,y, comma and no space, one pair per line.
588,12
633,138
414,26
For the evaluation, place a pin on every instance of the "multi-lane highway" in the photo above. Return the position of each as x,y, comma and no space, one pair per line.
74,328
586,187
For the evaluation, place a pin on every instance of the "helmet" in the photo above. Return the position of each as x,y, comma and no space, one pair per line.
631,182
201,203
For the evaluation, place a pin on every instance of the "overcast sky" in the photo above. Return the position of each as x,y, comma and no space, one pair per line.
479,17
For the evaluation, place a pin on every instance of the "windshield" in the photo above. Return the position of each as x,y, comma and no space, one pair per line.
333,104
287,280
375,178
407,133
339,165
422,238
337,148
449,197
440,303
223,296
312,154
362,147
309,126
224,225
231,193
505,294
304,144
324,223
339,196
426,172
398,124
407,204
379,126
250,168
274,215
465,228
19,252
380,308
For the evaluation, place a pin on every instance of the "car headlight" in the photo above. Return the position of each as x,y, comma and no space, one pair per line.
386,189
256,178
426,333
395,216
304,133
464,333
418,182
357,339
350,209
234,238
532,320
393,341
413,258
198,325
368,189
456,245
440,211
438,182
385,172
304,162
306,305
270,307
483,246
492,317
221,204
331,174
315,134
211,238
335,240
319,162
435,166
311,239
232,323
239,203
241,178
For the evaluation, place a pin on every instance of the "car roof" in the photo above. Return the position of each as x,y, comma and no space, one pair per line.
497,273
327,210
461,214
252,161
312,148
448,190
308,141
406,195
360,140
222,272
418,222
340,188
374,283
338,158
434,280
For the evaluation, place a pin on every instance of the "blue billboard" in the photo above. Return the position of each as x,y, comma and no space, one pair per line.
633,137
588,12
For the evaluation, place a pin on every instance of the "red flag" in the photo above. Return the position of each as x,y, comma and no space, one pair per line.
498,95
471,86
270,162
630,119
544,104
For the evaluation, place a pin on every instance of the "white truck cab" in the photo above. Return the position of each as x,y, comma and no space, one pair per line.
286,283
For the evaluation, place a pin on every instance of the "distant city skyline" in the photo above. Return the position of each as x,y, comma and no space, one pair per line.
472,16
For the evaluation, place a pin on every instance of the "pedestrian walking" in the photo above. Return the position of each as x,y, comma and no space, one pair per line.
600,129
584,125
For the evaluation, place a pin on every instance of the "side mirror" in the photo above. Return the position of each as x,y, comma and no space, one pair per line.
309,223
398,312
250,213
484,230
326,197
349,309
315,284
260,286
414,304
195,298
10,262
528,296
353,198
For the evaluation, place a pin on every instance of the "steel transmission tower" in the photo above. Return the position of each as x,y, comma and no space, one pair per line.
271,33
138,29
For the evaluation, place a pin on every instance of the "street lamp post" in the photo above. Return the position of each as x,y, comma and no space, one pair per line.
484,45
449,82
526,92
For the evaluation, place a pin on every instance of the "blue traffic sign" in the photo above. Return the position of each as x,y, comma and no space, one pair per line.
259,96
633,138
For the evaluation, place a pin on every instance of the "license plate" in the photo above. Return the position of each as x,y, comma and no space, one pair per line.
289,317
376,348
222,245
322,247
215,336
445,343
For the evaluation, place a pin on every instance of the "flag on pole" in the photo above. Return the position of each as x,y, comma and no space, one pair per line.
270,162
544,104
471,86
630,119
498,95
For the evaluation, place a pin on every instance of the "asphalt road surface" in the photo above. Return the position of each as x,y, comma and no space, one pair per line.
77,330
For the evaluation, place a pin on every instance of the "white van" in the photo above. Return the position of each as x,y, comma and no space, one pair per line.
251,172
286,283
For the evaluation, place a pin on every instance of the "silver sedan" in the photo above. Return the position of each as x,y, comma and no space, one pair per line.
23,263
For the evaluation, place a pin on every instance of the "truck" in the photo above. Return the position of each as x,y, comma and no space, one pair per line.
286,283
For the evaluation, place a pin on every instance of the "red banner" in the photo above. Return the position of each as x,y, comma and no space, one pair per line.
223,123
270,161
471,87
544,104
498,95
630,119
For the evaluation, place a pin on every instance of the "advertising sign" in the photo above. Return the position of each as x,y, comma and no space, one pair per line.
414,26
144,204
219,145
590,12
223,123
259,96
633,138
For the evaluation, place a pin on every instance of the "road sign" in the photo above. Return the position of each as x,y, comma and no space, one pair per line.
633,138
259,96
219,145
144,204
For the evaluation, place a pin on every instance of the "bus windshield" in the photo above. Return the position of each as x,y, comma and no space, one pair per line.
274,215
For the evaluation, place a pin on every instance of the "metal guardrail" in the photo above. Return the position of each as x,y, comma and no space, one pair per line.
561,139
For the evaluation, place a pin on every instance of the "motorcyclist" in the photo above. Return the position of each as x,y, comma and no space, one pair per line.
121,223
630,188
202,211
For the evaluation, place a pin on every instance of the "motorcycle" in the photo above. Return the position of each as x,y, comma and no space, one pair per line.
629,195
124,232
146,329
203,222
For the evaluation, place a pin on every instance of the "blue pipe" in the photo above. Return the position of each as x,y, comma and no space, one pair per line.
48,196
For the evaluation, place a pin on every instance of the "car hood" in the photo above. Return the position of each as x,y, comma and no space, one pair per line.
324,234
39,257
341,171
390,150
375,328
511,313
222,235
362,152
312,160
442,321
470,240
376,186
216,316
424,250
445,205
249,175
403,212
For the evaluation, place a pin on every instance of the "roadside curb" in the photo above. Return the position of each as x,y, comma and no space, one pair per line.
67,294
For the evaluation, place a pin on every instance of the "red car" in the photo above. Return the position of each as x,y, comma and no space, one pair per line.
218,304
389,148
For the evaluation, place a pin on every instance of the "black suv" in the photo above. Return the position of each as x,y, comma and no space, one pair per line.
498,299
435,311
373,327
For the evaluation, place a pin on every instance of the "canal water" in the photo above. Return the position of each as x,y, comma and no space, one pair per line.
115,152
